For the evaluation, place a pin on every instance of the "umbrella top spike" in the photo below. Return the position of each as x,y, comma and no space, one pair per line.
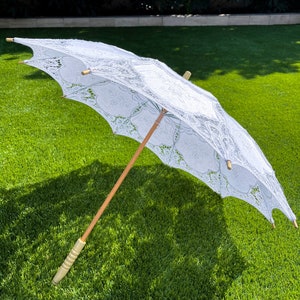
187,75
10,40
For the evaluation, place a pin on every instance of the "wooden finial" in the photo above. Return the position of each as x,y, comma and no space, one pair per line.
273,225
10,40
85,72
295,224
187,75
229,165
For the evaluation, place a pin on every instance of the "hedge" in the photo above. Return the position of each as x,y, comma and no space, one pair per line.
84,8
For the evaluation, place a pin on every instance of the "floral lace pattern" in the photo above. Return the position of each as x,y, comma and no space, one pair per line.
195,135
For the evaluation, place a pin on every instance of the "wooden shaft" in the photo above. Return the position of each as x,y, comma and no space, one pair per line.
123,176
186,75
70,259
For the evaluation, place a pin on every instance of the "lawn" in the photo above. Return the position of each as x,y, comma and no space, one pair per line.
165,235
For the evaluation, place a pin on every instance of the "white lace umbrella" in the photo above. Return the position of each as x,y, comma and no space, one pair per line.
191,131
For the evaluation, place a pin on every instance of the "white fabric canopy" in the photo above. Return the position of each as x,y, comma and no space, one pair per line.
196,135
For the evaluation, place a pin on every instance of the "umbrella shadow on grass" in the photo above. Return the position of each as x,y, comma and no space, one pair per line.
162,237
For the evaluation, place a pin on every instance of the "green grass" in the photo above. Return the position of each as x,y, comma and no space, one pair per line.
165,235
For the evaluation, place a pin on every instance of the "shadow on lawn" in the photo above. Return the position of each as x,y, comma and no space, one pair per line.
163,236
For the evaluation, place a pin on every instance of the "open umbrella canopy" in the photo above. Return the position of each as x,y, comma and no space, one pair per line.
193,132
197,135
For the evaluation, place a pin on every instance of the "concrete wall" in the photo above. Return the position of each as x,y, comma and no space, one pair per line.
176,20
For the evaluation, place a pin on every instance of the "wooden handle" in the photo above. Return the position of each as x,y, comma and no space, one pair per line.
10,40
67,264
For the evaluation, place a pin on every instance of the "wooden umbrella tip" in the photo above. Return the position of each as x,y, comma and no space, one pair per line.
9,40
295,224
187,75
229,164
273,225
85,72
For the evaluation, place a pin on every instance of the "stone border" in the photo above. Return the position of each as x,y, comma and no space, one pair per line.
175,20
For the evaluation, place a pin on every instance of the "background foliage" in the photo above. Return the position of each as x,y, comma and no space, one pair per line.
81,8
